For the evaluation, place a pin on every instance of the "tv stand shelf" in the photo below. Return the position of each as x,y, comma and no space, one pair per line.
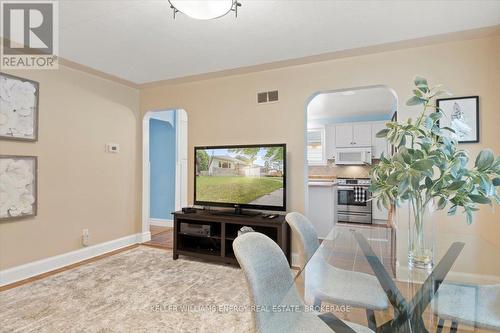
219,246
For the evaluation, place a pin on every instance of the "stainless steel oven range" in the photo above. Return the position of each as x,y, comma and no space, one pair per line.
352,209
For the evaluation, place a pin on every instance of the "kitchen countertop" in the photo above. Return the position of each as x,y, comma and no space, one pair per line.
322,182
329,177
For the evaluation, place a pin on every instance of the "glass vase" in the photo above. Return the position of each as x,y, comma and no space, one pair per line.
420,235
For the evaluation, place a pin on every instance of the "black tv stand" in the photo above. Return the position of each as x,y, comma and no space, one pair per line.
238,211
218,244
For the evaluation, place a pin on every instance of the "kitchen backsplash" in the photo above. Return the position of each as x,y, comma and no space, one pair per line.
340,171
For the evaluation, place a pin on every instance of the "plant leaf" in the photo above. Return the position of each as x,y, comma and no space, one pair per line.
448,129
382,133
485,159
479,199
421,83
441,203
422,165
428,182
436,115
456,185
414,101
417,92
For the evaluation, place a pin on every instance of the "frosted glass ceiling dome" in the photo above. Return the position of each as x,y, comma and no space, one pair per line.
204,9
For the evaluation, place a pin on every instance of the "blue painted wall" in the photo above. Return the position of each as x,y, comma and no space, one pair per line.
162,156
353,119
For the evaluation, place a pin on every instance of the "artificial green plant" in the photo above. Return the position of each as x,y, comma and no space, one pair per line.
429,168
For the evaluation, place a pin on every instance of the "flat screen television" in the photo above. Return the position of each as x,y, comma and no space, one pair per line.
244,176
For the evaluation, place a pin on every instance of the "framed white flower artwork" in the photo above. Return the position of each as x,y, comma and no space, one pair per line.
18,186
462,115
18,108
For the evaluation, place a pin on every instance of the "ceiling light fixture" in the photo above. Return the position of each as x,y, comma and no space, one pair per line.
204,9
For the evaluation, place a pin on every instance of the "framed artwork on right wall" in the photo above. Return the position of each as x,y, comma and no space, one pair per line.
462,115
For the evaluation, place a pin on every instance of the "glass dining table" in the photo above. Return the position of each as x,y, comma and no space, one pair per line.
461,293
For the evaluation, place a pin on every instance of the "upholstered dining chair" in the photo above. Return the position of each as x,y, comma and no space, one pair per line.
472,305
331,284
271,284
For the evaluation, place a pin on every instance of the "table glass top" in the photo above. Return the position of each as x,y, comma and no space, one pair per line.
356,267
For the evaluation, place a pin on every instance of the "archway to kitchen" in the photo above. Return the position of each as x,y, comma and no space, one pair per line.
340,147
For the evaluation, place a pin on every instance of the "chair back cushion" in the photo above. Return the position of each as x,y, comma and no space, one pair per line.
268,276
303,228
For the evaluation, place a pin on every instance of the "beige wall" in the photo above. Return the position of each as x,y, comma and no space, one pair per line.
79,185
224,111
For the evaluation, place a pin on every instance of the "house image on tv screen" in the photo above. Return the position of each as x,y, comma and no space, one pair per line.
230,166
240,175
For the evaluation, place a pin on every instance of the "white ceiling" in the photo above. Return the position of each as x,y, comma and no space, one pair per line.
140,41
359,103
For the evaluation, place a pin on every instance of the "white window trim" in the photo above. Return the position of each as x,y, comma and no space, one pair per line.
323,162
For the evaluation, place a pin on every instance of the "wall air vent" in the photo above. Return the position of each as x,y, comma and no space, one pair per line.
262,97
267,97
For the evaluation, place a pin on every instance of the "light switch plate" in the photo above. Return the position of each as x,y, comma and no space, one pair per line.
112,148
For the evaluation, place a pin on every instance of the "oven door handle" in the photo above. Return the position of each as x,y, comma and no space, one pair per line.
354,213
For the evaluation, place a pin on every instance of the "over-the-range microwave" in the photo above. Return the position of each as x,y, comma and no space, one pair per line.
353,156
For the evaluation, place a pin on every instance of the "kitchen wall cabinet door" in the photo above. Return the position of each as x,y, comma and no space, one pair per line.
353,135
362,135
343,136
330,142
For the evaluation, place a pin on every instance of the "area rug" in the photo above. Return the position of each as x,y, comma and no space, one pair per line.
139,290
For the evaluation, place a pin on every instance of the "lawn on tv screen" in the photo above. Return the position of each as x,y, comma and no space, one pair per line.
240,175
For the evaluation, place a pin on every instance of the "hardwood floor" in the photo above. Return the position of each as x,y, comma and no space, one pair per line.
161,237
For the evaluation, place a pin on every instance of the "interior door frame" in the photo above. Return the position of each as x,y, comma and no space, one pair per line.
181,172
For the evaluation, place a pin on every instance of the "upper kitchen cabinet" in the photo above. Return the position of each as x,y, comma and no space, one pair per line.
343,136
353,135
379,145
362,135
330,141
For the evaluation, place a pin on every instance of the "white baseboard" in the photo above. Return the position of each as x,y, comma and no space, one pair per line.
146,237
38,267
161,222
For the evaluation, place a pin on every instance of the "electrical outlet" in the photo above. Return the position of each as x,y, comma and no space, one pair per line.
85,237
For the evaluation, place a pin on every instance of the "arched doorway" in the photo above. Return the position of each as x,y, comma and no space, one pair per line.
340,145
164,167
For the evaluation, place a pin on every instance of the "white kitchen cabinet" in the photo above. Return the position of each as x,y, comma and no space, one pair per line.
321,209
353,135
379,214
329,142
343,136
362,135
379,145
